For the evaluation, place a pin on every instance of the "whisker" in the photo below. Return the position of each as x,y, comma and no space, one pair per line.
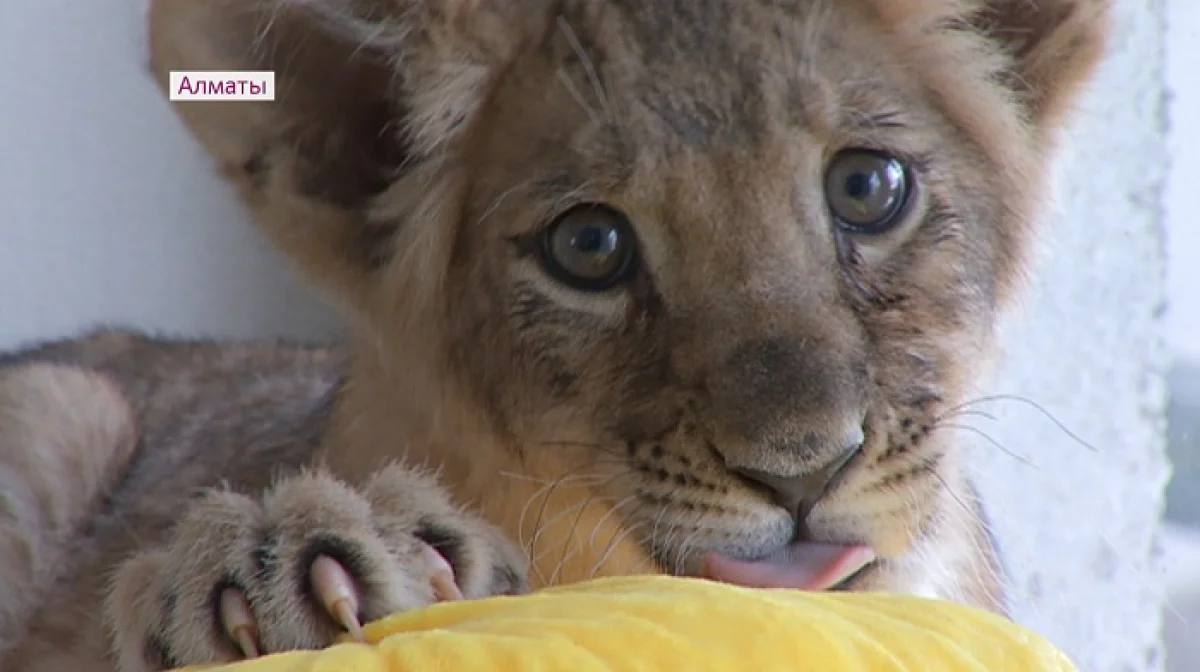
549,486
535,479
565,79
588,66
613,543
600,523
525,511
684,547
568,547
984,435
578,509
547,481
1159,592
574,508
968,510
662,510
964,413
1032,404
571,549
524,186
540,525
603,448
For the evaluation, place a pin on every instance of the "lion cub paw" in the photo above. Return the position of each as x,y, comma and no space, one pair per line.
309,561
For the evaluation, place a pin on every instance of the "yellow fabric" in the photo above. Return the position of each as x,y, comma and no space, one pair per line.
669,624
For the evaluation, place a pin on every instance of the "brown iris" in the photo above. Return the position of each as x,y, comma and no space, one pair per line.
589,247
866,190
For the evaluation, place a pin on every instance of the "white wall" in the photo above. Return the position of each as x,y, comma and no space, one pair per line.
1078,524
109,212
1182,212
1182,202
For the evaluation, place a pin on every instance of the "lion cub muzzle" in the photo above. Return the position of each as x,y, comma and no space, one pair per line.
790,416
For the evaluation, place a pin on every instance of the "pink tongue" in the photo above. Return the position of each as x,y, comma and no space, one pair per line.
800,566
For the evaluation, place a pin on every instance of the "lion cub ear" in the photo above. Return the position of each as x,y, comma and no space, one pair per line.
1055,46
364,90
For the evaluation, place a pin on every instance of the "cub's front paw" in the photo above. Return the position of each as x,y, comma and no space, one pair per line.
309,561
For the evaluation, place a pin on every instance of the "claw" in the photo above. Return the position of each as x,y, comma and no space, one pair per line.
238,621
245,642
335,589
445,587
347,616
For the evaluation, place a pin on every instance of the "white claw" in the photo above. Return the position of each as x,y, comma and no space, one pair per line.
335,589
238,621
445,587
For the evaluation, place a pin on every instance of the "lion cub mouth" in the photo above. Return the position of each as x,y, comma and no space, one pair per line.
801,565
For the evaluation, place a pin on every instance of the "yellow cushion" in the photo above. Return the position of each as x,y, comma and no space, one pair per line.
669,624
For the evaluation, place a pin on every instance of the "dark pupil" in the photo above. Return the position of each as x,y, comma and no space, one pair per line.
860,186
595,240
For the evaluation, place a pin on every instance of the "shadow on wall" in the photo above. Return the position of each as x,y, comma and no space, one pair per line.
1183,441
1181,616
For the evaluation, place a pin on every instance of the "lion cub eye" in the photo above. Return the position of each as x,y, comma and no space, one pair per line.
589,247
867,191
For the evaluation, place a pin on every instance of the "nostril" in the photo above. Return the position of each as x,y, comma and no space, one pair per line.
798,494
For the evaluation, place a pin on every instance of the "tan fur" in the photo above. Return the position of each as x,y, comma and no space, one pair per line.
45,449
413,150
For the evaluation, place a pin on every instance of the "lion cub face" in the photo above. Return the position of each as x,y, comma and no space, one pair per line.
737,258
745,279
749,266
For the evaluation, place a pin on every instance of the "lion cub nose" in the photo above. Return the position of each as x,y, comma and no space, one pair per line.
798,494
788,412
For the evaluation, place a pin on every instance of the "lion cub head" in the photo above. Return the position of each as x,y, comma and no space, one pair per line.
724,264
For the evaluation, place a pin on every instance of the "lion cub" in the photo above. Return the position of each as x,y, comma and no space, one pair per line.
660,286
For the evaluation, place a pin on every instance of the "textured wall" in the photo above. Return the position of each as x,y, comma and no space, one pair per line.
1079,526
1183,254
1182,620
113,215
